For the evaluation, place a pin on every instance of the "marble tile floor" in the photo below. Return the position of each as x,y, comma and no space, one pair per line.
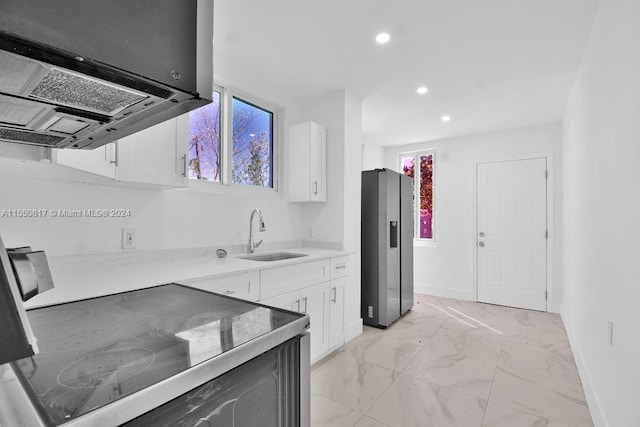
453,363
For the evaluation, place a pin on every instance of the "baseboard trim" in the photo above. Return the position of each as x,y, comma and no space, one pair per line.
353,330
589,392
462,294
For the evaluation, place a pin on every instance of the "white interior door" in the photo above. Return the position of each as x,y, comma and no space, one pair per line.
512,233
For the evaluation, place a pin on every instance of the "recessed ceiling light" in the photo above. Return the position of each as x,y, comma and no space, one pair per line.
383,38
422,90
445,118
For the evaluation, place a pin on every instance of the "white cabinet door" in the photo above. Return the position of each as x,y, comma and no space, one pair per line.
307,163
151,156
336,313
314,301
318,163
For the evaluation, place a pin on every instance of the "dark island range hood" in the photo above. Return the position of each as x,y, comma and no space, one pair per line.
83,73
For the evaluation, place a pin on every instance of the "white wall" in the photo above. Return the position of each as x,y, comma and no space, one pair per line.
325,221
448,268
163,219
602,206
373,157
338,220
352,209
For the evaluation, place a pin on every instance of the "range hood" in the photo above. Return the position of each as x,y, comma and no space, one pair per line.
83,73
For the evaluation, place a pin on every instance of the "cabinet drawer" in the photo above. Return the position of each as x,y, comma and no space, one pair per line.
289,301
339,267
244,285
276,281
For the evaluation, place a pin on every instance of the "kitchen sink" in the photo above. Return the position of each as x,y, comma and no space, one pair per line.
274,256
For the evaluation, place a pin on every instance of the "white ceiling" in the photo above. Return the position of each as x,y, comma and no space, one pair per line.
489,64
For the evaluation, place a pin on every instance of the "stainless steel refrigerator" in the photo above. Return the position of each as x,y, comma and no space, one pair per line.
387,246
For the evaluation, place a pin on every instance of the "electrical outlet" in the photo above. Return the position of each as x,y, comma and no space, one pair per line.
310,232
129,238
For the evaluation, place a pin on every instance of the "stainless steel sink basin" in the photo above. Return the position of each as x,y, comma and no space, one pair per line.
274,256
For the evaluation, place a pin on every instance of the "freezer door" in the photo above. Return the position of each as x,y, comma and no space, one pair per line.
381,241
389,229
370,248
406,243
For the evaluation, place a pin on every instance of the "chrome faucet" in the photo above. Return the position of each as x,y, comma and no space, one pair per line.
253,245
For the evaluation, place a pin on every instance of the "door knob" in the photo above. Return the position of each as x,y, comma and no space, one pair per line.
481,244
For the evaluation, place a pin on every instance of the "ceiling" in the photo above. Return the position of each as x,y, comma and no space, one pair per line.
489,64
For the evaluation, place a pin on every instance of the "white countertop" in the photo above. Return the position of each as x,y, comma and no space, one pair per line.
88,276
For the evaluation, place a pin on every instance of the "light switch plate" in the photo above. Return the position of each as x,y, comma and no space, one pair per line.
129,238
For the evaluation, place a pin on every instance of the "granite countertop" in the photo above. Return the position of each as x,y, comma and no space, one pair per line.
88,276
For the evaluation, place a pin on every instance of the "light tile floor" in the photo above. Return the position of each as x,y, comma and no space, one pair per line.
453,363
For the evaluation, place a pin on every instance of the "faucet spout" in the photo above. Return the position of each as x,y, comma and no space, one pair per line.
252,245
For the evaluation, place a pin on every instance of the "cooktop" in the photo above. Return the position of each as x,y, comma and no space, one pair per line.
96,351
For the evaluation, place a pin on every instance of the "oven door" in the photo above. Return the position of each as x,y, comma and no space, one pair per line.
265,391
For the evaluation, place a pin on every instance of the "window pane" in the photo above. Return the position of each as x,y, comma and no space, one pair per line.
204,141
426,196
408,166
252,157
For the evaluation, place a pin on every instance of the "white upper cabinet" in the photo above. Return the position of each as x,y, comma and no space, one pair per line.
155,156
307,163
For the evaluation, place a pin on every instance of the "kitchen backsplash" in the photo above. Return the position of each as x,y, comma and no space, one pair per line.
171,219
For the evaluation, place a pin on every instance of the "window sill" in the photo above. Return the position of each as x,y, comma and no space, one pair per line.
213,187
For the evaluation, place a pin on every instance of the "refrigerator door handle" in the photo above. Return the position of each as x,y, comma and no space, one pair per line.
393,234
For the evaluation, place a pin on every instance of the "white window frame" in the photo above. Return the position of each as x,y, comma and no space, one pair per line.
226,150
417,240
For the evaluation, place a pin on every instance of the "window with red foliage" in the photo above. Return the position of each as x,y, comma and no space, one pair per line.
421,164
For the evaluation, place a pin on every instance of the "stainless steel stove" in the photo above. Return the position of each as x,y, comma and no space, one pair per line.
113,359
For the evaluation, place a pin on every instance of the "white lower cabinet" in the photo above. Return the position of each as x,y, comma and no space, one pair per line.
314,301
336,313
316,304
316,288
340,269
